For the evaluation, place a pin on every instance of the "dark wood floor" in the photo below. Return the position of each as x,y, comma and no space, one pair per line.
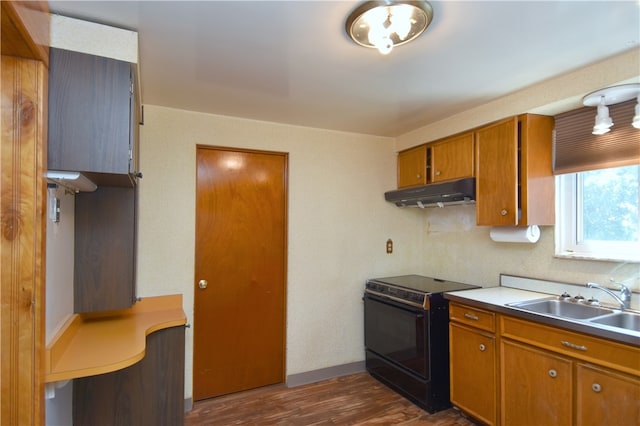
356,399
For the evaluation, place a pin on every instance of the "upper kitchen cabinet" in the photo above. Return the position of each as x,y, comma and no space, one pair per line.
514,180
451,158
412,167
93,117
446,159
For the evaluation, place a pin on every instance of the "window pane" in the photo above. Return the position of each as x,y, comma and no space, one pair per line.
610,204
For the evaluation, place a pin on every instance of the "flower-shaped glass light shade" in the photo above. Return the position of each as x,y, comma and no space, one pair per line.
385,24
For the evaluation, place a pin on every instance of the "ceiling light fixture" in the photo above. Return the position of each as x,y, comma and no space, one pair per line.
385,24
609,96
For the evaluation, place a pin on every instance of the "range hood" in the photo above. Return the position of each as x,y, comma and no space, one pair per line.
461,191
73,181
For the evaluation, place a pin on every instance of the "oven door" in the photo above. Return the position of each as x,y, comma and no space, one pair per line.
397,333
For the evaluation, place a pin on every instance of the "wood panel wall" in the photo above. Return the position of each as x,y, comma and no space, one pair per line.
22,204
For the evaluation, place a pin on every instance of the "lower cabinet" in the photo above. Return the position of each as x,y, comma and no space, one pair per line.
150,392
473,372
605,397
510,371
536,386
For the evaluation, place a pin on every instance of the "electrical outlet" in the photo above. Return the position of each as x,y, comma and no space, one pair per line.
389,246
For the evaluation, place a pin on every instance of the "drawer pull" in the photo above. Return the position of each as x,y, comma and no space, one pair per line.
482,347
553,373
573,346
471,316
596,387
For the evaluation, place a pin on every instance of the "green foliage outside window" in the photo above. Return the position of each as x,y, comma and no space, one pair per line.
610,204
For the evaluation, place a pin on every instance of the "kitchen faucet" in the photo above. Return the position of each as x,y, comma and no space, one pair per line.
624,298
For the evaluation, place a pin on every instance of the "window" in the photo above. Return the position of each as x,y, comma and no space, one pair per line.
598,215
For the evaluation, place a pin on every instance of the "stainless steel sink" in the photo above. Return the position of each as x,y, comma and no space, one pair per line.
626,320
562,308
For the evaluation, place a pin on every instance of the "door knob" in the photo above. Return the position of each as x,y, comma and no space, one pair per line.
203,284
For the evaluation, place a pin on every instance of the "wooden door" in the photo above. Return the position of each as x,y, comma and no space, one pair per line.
473,372
497,174
537,386
241,228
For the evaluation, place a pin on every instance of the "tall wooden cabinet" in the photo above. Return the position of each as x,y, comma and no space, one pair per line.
514,179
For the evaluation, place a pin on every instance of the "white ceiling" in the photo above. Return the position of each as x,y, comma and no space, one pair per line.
292,62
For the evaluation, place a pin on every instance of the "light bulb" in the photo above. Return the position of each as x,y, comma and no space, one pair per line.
385,45
400,18
603,121
636,118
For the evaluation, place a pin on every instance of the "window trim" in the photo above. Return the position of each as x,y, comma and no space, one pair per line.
569,223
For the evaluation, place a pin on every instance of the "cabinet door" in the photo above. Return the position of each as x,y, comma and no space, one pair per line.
412,167
105,231
497,173
473,372
536,386
89,113
605,397
537,183
452,158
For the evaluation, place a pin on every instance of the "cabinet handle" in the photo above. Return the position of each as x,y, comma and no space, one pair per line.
203,284
553,373
573,346
596,387
438,173
418,176
482,347
471,317
504,212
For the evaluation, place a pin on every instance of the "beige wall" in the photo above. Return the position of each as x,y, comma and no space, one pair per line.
338,220
456,249
338,224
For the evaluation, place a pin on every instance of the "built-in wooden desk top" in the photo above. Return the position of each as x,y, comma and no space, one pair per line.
92,344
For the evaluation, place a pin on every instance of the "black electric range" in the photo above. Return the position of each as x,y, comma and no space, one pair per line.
407,336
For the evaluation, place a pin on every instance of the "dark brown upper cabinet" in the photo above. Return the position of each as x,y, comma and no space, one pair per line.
93,117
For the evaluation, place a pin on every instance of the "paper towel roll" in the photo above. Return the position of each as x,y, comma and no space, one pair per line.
515,234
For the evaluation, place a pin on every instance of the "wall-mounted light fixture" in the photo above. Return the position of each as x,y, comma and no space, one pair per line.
609,96
385,24
73,181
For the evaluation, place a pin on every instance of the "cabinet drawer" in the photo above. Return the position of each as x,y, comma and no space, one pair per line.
599,351
474,317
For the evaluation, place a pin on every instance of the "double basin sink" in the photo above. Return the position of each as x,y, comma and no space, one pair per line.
568,309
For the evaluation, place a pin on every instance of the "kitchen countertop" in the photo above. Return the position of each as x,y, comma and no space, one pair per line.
496,299
97,343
